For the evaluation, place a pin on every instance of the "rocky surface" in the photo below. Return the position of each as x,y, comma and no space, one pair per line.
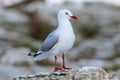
24,27
85,73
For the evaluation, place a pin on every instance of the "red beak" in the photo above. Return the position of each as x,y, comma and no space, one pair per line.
74,17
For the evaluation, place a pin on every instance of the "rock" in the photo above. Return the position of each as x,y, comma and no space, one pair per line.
102,49
7,72
92,62
86,49
85,73
13,21
16,56
105,50
88,73
116,42
12,16
9,35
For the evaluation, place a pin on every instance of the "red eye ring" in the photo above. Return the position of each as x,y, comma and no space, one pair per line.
66,13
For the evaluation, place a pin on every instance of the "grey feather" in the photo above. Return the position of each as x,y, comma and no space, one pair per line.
49,43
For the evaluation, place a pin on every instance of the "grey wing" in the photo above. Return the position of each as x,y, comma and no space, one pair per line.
49,43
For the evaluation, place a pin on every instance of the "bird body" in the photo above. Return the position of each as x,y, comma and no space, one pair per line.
60,40
66,37
65,42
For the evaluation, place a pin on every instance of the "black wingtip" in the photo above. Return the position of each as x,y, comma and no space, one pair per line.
33,54
29,54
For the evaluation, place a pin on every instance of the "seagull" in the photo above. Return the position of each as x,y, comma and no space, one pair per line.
59,41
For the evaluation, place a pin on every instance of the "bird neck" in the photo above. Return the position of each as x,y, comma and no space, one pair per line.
64,25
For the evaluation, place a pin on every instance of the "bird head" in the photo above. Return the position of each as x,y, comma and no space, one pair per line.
66,14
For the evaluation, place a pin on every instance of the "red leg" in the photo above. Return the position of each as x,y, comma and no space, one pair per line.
56,67
63,61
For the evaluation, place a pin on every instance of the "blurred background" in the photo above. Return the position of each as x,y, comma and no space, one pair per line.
24,24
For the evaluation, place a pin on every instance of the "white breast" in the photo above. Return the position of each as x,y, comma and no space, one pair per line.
66,41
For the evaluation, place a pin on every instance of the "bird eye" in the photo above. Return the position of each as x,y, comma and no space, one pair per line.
66,13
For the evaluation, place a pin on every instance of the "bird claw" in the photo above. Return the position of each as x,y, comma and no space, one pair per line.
57,69
61,69
65,68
